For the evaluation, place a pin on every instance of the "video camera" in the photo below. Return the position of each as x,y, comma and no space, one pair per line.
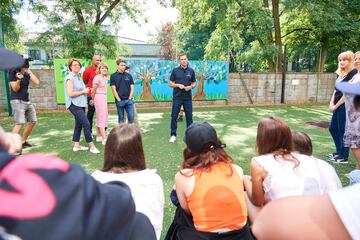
27,60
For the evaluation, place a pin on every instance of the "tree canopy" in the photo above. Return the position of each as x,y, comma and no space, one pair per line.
251,34
82,28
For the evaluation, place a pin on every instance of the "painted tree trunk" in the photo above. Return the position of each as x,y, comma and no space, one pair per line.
146,89
200,94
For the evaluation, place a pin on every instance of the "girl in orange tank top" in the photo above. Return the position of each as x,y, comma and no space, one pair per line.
210,188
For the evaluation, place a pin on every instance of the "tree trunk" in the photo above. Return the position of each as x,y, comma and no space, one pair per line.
269,40
200,94
146,93
278,41
322,55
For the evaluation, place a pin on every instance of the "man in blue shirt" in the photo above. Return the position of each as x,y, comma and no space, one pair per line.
122,86
182,80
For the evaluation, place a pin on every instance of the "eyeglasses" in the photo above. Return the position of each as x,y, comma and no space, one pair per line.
75,65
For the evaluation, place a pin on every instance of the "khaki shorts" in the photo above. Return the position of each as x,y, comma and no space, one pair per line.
23,111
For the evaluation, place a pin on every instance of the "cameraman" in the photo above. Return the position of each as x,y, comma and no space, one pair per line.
23,109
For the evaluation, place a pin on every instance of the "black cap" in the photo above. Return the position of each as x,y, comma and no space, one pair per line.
10,59
201,137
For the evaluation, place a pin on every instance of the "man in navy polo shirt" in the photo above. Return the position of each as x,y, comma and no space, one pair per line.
122,86
182,80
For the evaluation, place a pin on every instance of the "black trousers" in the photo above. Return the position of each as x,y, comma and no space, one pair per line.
182,228
90,112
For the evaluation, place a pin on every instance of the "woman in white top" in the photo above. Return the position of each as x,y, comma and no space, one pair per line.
124,161
278,171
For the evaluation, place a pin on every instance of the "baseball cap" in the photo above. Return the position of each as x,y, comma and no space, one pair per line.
10,59
348,87
201,137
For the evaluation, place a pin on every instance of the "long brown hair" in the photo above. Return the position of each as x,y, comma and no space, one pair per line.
274,137
302,143
204,161
124,149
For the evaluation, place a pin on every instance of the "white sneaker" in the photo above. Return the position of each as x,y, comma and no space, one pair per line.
172,139
81,148
94,150
103,142
98,139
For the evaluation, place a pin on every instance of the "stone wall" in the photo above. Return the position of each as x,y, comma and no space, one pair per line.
263,88
3,104
266,88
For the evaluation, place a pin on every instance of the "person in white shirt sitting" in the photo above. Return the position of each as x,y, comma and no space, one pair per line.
280,171
124,161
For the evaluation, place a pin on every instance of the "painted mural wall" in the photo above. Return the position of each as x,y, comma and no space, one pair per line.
151,79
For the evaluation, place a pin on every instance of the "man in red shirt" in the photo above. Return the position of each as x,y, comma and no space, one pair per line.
88,77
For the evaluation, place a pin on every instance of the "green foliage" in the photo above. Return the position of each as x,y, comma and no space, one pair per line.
242,31
77,28
11,31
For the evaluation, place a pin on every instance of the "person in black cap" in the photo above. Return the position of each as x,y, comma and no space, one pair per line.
208,181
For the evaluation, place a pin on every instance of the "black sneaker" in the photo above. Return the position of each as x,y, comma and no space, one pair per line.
27,145
332,155
338,159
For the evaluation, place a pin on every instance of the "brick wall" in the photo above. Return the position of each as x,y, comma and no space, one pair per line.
266,87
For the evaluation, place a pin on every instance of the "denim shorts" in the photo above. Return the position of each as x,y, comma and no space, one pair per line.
24,112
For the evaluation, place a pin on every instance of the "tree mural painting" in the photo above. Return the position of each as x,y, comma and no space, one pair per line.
206,72
151,79
147,72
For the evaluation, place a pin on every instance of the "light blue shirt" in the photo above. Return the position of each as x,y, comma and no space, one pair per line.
78,85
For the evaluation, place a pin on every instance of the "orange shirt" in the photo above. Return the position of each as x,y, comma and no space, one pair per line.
217,200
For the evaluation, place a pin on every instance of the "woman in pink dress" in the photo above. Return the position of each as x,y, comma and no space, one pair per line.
98,94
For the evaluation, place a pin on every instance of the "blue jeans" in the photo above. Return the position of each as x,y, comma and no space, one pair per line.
128,106
337,130
176,106
354,177
81,122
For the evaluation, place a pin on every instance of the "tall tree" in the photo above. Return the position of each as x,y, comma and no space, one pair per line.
10,29
84,27
325,25
167,39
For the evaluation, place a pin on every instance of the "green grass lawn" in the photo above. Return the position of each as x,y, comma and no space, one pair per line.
236,127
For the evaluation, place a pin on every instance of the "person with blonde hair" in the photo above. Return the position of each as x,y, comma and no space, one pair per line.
98,95
345,72
351,91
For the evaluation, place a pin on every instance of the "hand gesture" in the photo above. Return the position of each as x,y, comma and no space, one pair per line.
332,108
19,76
181,86
188,88
11,142
86,91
